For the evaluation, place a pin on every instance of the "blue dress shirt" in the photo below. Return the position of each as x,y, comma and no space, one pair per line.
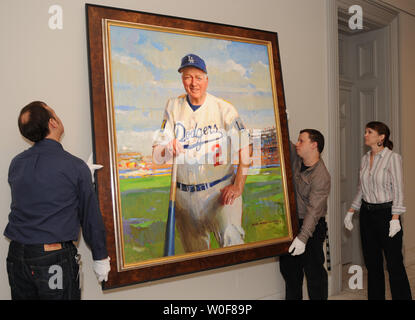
52,197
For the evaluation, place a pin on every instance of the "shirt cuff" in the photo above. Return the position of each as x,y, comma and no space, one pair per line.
99,254
356,205
398,210
303,236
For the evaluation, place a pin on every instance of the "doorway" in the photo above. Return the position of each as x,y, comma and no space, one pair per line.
367,90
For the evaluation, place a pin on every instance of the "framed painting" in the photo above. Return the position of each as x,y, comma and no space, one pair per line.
171,217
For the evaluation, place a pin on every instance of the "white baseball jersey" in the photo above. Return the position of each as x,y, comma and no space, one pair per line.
212,136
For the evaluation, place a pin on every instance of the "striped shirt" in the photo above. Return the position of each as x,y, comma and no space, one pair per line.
383,183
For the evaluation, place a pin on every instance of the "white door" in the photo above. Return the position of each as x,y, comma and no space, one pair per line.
372,89
364,96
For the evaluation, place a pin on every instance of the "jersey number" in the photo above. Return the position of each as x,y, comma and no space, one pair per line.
217,153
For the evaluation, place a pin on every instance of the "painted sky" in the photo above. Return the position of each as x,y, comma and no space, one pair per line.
144,75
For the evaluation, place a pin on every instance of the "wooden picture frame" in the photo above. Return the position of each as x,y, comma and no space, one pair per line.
121,44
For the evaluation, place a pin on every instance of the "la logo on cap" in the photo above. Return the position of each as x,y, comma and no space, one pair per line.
192,60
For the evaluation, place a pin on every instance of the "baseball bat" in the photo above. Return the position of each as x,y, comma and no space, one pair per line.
171,215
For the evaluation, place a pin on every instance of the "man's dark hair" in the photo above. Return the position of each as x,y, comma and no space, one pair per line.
34,121
315,136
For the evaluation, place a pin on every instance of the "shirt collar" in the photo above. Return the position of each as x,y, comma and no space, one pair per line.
48,143
384,151
381,154
311,167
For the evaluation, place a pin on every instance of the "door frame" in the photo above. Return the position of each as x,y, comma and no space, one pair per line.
373,13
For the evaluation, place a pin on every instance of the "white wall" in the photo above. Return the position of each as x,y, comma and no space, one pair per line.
38,63
407,100
407,54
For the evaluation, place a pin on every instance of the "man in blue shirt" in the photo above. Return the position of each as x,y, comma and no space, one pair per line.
52,197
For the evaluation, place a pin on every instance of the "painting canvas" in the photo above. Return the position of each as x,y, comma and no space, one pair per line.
140,62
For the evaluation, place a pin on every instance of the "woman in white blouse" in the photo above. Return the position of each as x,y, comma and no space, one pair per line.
380,201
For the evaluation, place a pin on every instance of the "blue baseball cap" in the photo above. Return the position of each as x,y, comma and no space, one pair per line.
192,60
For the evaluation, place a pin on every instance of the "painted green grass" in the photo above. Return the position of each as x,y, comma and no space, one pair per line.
145,183
147,198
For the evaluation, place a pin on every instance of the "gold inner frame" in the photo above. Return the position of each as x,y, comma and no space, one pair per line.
115,190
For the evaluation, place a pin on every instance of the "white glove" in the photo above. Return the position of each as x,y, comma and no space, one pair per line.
102,268
348,221
394,227
93,167
297,247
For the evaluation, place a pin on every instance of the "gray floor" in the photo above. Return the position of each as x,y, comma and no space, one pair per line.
361,294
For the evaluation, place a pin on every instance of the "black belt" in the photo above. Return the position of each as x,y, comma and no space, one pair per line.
376,206
202,186
65,244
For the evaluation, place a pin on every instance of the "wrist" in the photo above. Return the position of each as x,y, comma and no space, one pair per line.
240,186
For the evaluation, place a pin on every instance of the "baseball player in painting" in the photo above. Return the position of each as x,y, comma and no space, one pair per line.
207,137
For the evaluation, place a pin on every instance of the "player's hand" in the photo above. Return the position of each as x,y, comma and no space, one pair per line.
174,147
229,194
